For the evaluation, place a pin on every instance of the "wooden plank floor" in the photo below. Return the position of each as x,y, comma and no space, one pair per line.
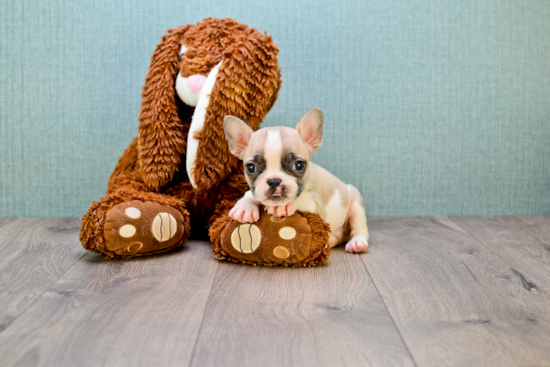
430,292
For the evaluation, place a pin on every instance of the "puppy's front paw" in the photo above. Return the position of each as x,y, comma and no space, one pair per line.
357,244
282,211
271,210
245,213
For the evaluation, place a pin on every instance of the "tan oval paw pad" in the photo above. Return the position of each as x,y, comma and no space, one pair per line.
281,252
287,233
164,227
127,230
246,238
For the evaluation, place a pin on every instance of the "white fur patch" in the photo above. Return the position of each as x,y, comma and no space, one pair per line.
336,212
273,154
183,49
183,90
197,122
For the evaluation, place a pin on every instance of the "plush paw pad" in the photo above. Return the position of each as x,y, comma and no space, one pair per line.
127,231
269,240
287,233
246,238
141,227
164,227
281,252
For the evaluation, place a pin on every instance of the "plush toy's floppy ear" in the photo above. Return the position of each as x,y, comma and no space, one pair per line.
246,87
238,135
162,138
310,129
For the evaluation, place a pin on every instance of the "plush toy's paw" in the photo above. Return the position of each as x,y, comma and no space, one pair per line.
245,213
357,244
298,240
137,227
282,211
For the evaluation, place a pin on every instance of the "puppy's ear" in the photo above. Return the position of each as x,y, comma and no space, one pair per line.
310,129
238,135
161,138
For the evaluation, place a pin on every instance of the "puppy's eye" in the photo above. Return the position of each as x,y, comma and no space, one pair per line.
299,166
250,168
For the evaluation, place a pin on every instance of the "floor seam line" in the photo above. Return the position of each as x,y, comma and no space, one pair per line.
203,315
389,313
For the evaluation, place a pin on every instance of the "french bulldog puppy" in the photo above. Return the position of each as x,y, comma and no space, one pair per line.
281,177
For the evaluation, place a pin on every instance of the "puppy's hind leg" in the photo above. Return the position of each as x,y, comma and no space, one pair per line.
357,221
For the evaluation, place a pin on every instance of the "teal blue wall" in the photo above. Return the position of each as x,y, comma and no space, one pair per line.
433,107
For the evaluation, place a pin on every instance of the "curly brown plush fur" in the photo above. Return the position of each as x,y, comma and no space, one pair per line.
151,204
247,86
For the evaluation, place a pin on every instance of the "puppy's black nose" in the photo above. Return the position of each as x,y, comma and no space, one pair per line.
274,182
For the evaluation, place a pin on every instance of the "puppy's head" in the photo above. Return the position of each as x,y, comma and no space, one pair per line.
276,159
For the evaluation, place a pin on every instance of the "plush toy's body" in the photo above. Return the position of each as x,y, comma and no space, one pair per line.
178,174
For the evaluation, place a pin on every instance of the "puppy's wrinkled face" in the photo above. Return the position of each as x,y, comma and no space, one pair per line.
276,159
276,165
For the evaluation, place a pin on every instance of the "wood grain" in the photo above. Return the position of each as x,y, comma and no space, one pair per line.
141,312
6,220
456,302
326,316
526,247
460,292
538,226
34,254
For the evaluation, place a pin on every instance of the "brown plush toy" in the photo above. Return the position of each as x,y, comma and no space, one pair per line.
178,173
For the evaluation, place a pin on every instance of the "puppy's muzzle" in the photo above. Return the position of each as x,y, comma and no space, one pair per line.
276,187
273,183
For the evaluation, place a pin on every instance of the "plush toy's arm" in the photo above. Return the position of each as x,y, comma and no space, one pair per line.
161,140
